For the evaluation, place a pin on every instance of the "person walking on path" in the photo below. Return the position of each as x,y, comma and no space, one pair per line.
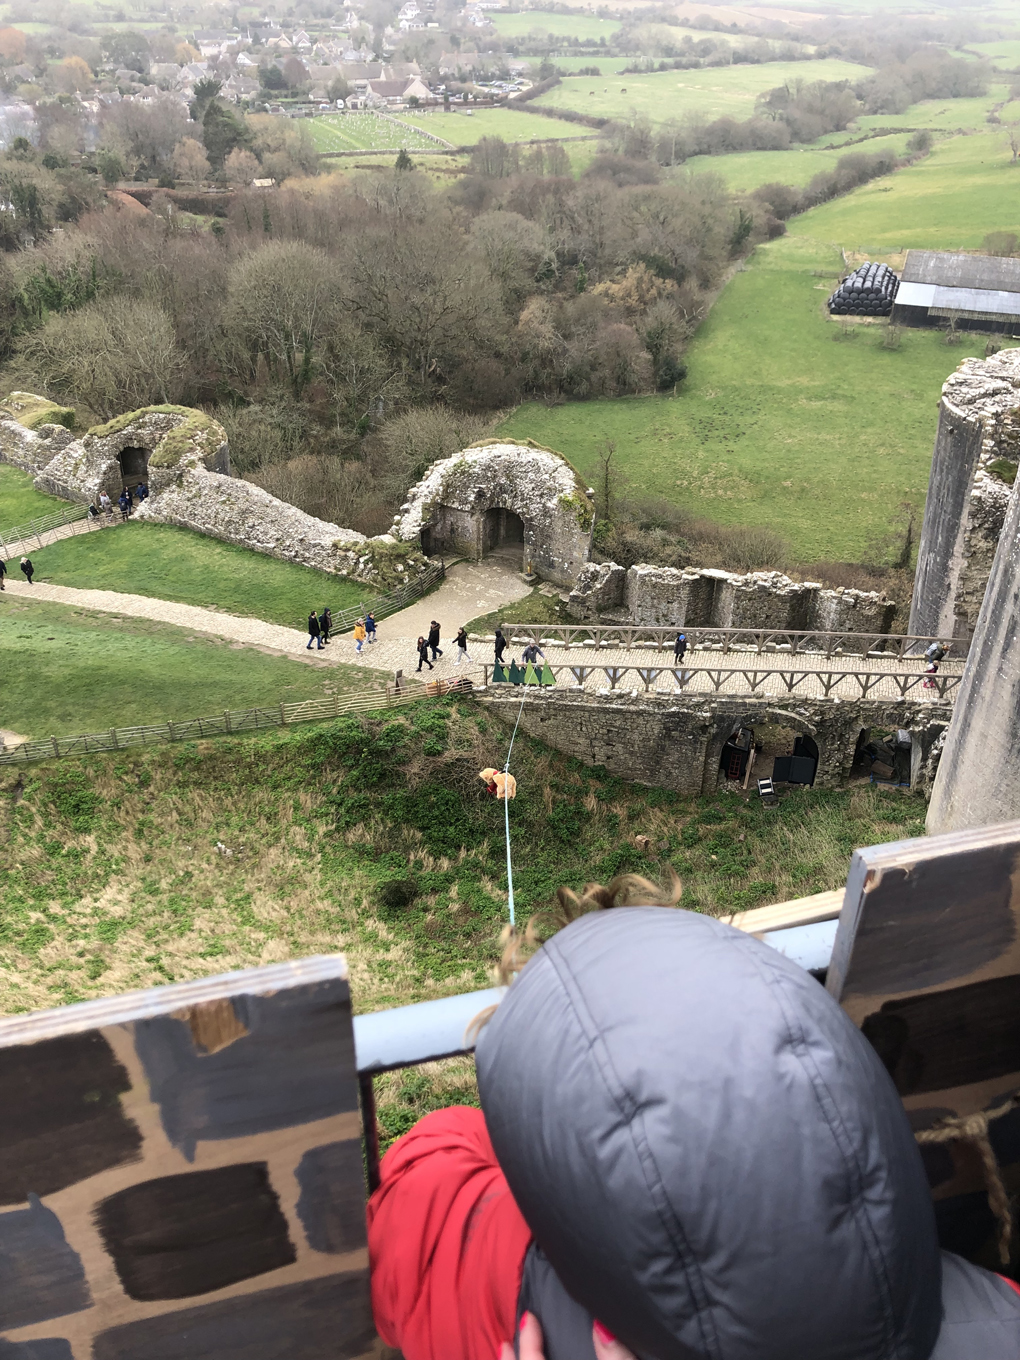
105,504
462,650
125,505
314,632
27,570
935,652
500,646
326,623
370,626
359,636
3,573
423,653
680,647
434,640
532,652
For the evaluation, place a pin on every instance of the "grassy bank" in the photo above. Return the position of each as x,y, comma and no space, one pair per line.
74,670
373,836
19,500
175,564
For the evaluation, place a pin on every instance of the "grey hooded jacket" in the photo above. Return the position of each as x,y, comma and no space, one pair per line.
714,1161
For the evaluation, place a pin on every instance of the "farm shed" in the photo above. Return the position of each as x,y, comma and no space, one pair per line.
977,292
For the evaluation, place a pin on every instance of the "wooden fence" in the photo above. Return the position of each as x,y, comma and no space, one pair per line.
227,723
20,535
384,605
738,681
624,637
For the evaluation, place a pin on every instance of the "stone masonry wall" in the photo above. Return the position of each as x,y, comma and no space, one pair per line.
708,598
676,742
978,439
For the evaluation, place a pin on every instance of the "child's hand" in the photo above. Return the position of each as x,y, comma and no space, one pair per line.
532,1344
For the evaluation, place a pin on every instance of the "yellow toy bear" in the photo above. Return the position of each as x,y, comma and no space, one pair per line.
500,784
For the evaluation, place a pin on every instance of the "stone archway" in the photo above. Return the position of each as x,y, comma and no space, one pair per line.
795,729
503,532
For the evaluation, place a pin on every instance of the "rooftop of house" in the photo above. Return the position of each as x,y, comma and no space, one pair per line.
948,270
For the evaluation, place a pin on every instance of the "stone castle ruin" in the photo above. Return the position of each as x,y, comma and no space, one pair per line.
519,500
977,449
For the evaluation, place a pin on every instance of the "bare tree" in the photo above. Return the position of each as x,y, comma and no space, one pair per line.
241,167
111,356
190,162
151,130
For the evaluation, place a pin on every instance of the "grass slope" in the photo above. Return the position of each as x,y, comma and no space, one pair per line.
19,500
109,876
579,26
777,423
74,670
175,564
718,91
746,170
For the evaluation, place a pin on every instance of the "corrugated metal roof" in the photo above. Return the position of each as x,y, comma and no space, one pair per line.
977,300
915,295
948,270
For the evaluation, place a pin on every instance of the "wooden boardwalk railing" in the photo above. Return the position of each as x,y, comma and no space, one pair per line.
228,722
760,640
21,536
753,681
383,605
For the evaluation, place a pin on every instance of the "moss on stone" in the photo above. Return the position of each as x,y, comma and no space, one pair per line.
31,411
197,435
581,507
1004,469
386,565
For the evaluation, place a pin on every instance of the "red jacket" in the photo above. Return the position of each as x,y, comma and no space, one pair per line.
446,1242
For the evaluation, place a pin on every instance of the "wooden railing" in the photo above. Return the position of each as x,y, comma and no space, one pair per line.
384,605
22,534
764,680
759,640
227,723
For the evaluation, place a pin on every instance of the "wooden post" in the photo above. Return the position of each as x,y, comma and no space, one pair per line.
226,719
113,738
283,715
56,748
170,730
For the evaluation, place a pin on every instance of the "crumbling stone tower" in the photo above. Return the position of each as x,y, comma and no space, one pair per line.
977,448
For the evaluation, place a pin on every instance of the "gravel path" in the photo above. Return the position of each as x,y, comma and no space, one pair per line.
25,547
469,590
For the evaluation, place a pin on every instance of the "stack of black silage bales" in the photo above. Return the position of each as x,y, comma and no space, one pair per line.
868,291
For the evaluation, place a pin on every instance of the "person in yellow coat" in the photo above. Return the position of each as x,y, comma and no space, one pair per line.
359,635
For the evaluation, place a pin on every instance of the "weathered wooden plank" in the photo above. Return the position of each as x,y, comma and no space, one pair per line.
801,911
181,1173
927,962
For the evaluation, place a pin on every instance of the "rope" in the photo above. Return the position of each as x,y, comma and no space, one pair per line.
973,1128
506,808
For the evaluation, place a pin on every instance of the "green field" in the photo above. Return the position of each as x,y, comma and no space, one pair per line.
949,200
745,170
780,423
363,132
79,670
607,65
727,90
465,129
19,500
583,27
1005,54
166,563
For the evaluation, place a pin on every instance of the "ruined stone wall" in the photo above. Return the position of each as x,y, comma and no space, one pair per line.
31,450
667,597
676,742
446,509
977,449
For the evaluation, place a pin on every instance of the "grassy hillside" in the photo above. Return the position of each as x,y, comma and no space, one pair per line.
729,90
745,170
580,26
76,670
19,500
175,564
373,836
781,421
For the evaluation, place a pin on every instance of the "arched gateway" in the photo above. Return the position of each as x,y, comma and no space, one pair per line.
518,500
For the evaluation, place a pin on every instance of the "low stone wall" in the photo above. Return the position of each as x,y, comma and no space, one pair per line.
31,450
676,742
706,598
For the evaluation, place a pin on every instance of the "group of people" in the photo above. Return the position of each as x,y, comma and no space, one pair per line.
27,570
125,501
933,654
424,645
